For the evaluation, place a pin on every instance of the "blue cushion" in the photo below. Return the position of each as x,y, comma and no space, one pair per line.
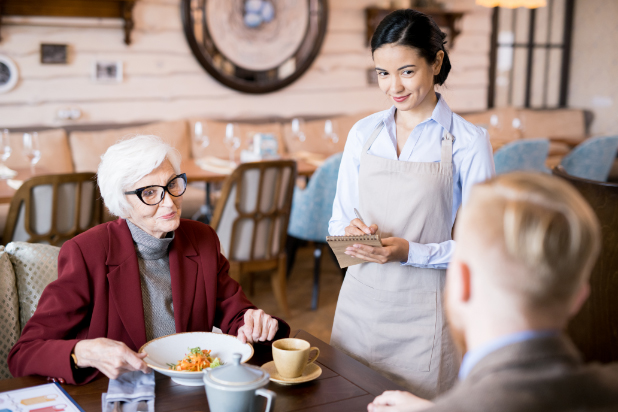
592,159
312,207
528,154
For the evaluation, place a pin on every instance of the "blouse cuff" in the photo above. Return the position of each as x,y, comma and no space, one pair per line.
418,255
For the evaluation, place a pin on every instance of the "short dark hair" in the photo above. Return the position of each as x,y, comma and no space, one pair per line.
417,30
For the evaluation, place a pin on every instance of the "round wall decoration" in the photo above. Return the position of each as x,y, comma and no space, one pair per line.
8,74
255,46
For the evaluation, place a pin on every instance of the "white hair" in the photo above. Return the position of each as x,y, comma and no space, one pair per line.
125,163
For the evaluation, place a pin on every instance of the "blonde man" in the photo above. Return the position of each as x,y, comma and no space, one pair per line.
526,244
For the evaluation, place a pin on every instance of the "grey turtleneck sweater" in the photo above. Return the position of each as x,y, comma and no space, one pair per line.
156,282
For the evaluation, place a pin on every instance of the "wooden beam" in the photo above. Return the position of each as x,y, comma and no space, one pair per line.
73,8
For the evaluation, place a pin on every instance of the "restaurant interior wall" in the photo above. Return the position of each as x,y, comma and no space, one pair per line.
594,59
163,81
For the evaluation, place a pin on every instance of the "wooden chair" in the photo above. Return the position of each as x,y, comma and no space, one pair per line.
595,328
53,208
251,219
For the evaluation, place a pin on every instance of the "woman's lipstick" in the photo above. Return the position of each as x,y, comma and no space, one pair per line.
400,99
168,216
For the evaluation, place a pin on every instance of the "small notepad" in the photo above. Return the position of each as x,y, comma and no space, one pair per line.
339,244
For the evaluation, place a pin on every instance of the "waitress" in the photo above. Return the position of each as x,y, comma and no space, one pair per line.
407,170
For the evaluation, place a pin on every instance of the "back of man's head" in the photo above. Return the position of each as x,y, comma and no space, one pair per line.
533,238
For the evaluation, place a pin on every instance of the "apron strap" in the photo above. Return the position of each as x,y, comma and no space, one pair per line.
447,147
373,137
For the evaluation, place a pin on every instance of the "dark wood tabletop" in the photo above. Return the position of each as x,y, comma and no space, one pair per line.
345,385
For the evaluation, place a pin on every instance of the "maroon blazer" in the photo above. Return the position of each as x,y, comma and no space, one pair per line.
98,294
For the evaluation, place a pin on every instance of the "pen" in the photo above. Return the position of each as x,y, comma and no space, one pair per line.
358,215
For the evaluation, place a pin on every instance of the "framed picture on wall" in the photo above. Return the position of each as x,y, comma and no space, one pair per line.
54,53
8,74
107,71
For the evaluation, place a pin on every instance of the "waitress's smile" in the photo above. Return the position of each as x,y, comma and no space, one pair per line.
400,99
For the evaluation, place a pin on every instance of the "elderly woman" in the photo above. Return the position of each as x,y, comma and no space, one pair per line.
145,275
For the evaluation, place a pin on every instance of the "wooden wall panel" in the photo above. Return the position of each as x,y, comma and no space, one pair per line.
162,79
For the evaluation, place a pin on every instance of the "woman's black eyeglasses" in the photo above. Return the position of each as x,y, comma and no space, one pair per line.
153,195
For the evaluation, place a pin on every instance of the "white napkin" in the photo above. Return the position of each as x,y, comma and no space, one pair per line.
215,165
6,173
14,184
130,389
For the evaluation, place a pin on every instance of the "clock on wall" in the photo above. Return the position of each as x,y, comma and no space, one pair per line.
255,46
8,74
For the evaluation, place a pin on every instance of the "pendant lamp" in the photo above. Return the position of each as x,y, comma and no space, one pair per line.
513,4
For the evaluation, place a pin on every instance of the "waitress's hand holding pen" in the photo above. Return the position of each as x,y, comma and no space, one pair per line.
358,227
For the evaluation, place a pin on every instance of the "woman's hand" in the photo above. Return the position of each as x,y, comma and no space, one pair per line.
395,249
111,357
358,228
258,327
398,401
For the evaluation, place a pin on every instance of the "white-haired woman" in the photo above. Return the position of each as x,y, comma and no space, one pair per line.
145,275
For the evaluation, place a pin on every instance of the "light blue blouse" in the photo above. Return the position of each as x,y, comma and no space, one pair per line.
472,163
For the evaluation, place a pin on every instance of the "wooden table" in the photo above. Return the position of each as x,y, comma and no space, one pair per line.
345,385
197,174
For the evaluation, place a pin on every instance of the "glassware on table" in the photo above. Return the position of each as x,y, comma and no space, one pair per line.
329,131
298,129
232,140
200,136
31,149
5,153
5,145
518,125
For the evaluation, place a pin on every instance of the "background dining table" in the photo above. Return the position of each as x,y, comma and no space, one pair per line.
345,385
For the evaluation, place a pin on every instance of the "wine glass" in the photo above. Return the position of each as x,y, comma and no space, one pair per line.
201,136
298,129
518,126
329,132
5,146
30,143
232,141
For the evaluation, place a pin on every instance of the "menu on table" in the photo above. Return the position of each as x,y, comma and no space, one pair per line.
43,398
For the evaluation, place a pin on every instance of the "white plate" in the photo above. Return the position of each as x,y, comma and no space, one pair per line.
172,348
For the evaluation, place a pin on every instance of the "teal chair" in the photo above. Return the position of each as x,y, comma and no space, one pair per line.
592,159
528,154
312,208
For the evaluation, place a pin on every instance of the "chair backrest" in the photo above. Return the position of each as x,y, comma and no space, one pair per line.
251,217
54,208
592,159
595,328
528,154
9,312
35,267
312,207
25,271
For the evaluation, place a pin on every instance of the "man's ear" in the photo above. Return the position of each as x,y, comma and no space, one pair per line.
580,298
466,282
460,279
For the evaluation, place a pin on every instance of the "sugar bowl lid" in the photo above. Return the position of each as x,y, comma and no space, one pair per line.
237,375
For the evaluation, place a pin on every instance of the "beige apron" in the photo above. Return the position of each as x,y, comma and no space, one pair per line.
390,317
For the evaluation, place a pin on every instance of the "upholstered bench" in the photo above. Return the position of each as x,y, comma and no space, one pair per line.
25,270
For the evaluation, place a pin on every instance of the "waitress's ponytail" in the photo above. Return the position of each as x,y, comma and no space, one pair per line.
417,30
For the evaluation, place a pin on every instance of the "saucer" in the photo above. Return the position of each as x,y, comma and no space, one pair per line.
311,372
